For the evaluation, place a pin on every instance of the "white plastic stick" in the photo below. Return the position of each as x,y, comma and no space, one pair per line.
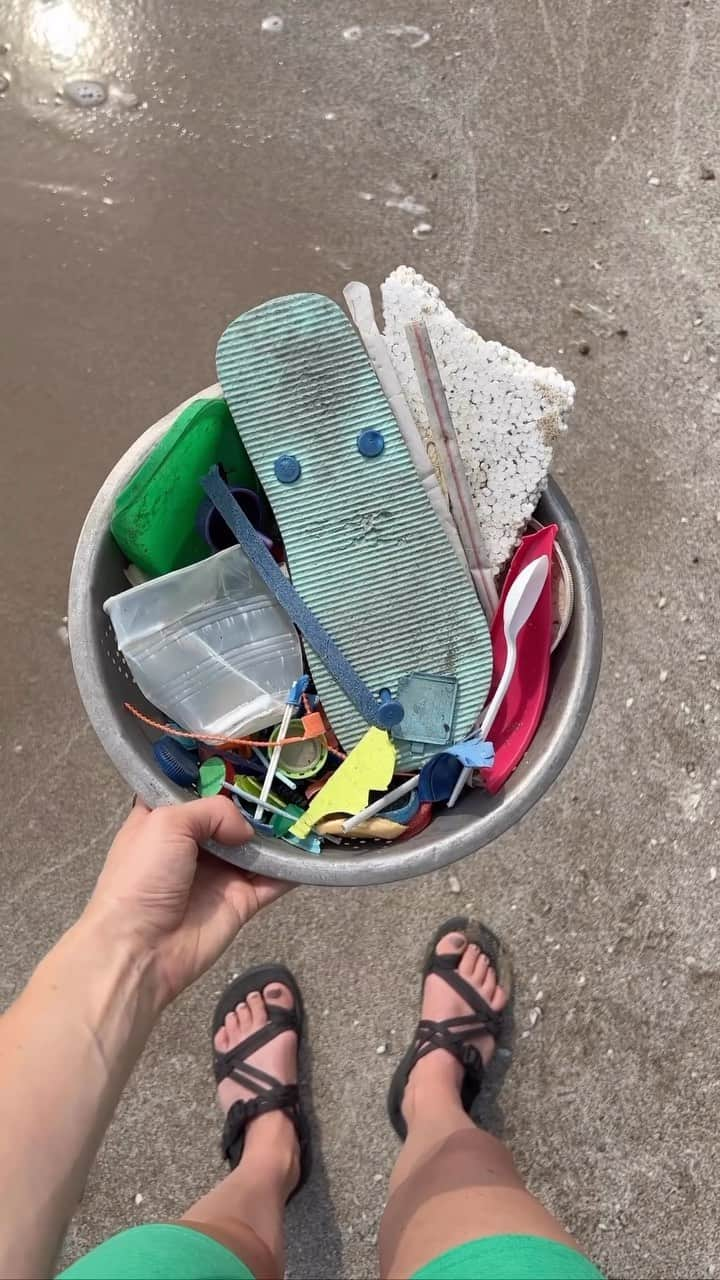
383,803
284,777
359,304
273,762
488,720
245,795
519,604
451,464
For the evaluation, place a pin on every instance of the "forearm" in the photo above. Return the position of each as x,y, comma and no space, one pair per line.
67,1047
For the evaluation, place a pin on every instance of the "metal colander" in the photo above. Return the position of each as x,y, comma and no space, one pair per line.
105,684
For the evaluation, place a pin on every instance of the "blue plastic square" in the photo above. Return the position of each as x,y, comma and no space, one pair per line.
429,705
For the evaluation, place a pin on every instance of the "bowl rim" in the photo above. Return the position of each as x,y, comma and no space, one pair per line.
455,833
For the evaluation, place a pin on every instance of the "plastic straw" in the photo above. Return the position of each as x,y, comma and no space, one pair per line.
451,464
378,805
294,698
284,777
359,304
245,795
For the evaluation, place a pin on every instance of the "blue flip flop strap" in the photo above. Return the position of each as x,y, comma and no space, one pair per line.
383,714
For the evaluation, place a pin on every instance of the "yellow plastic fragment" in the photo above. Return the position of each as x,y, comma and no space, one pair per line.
369,767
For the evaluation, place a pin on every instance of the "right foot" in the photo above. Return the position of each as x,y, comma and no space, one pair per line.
270,1136
438,1072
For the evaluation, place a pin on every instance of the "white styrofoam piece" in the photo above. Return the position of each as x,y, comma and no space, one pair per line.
507,411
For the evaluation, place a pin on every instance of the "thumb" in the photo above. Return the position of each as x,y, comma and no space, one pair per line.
212,818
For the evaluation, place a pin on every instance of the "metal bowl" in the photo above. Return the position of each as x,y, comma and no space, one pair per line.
105,684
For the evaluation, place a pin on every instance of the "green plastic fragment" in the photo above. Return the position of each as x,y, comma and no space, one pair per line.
212,777
154,518
211,781
281,826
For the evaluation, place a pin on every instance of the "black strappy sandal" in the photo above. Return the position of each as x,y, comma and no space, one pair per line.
454,1034
270,1093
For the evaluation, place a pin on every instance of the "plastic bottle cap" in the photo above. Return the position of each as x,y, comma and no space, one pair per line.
301,759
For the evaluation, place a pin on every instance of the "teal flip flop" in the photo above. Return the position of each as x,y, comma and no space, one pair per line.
366,551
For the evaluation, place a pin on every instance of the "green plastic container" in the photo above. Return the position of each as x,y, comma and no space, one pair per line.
153,520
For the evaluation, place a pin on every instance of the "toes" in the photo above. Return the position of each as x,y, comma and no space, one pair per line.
499,1000
468,961
244,1021
221,1040
480,971
256,1005
451,944
231,1028
489,982
278,993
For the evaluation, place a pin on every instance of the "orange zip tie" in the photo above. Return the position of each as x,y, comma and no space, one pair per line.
313,724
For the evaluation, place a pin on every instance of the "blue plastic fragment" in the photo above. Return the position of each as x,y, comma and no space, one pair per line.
179,765
404,811
296,691
383,714
370,443
253,768
438,777
262,828
475,753
190,744
310,843
390,711
287,468
429,703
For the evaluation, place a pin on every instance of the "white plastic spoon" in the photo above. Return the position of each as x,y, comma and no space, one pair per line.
519,604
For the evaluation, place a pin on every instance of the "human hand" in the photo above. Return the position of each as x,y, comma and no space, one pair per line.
178,905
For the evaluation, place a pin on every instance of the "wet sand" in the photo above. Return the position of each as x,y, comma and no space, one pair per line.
560,154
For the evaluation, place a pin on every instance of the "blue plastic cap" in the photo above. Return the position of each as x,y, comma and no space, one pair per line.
390,711
370,443
438,777
297,690
287,468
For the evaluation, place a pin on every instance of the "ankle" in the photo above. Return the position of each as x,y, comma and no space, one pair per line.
271,1146
433,1089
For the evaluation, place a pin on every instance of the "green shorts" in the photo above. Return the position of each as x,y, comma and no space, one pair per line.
165,1252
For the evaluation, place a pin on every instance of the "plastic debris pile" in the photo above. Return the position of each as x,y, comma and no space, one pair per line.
341,611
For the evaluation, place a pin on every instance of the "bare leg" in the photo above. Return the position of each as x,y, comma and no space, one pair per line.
245,1211
453,1183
